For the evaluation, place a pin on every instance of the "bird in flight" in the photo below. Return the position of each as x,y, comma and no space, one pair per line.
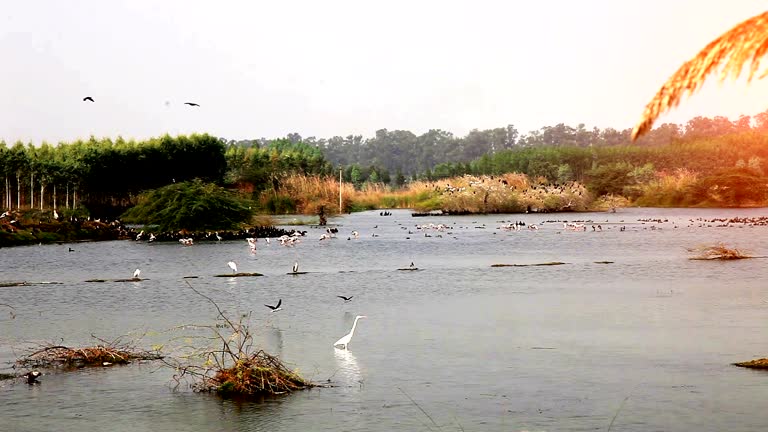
191,104
276,307
88,98
346,299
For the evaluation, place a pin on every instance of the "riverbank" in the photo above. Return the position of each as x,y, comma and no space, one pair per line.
17,231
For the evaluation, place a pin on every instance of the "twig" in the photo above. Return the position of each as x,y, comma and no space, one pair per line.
420,408
617,413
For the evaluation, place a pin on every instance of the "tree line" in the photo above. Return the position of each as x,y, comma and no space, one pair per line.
102,175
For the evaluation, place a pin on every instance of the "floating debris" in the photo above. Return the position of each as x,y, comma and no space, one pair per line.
603,262
718,251
553,263
238,275
408,269
754,364
60,356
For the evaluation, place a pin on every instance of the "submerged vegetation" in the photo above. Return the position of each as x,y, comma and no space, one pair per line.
230,365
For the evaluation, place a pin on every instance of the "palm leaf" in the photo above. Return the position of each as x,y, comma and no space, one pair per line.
745,43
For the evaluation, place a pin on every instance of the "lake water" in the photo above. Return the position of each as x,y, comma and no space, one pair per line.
645,342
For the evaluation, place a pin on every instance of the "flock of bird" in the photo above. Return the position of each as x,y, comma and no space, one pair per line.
192,104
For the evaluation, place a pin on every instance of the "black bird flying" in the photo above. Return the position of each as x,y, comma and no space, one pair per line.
88,98
276,307
346,299
191,104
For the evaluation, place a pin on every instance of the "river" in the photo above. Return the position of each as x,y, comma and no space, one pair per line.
643,343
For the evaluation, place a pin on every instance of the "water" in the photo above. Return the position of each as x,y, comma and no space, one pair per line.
648,339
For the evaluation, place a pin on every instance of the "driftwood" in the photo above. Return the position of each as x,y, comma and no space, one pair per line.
754,364
238,275
103,354
553,263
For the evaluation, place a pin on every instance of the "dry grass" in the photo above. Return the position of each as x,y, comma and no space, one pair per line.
754,364
508,193
257,374
745,43
59,356
718,251
229,365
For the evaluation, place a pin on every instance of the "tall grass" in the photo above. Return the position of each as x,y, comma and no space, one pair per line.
668,189
508,193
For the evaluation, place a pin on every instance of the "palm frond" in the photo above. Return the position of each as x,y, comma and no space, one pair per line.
745,43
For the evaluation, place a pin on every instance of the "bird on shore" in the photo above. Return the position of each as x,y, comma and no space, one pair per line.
32,377
233,266
296,267
276,307
88,99
348,337
191,104
136,274
346,299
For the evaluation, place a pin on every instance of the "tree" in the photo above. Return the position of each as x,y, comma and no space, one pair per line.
193,205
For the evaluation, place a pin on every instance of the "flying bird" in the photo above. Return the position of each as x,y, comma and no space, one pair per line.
233,266
88,98
346,299
345,340
191,104
276,307
296,267
136,274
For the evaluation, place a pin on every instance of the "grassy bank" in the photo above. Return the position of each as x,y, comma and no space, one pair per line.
508,193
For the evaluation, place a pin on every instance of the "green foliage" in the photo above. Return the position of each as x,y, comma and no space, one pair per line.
609,179
281,204
193,205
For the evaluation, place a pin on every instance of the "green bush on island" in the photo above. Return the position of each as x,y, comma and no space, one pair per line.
192,205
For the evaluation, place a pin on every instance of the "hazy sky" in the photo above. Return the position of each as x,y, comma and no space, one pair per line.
324,68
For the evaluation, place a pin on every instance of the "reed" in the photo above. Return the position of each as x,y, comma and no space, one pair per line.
717,251
746,43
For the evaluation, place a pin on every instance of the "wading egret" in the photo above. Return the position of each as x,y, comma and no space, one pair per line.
345,340
136,274
233,266
296,267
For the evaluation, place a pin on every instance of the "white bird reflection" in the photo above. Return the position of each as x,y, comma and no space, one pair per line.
348,372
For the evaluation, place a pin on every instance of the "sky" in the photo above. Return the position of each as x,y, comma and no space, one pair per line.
327,68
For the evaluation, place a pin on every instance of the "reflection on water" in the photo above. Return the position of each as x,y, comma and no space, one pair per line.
476,347
348,372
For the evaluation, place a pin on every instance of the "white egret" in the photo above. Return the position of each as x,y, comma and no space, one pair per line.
136,274
276,307
218,237
345,340
233,266
296,267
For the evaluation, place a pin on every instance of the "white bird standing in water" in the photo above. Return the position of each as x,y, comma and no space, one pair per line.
296,267
345,340
233,266
136,274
